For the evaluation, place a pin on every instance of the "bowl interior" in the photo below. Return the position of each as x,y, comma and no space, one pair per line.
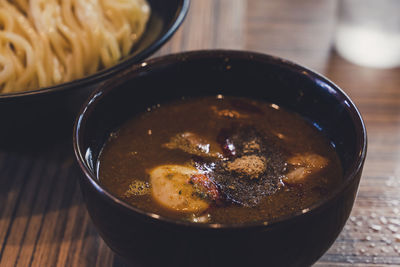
165,18
229,73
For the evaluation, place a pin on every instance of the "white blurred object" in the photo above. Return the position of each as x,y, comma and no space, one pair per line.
368,32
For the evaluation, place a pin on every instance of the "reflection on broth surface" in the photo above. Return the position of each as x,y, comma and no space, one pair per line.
219,160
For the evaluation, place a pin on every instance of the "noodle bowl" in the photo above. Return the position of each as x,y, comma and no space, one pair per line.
47,42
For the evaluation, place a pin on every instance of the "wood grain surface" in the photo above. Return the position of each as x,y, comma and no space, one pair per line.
43,221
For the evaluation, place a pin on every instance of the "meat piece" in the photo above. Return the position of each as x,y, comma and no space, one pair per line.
204,187
251,166
228,113
252,173
227,146
230,140
242,140
172,188
251,146
303,166
193,144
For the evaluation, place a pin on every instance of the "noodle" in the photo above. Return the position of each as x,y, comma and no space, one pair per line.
47,42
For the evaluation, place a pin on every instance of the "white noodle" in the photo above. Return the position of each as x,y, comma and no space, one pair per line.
47,42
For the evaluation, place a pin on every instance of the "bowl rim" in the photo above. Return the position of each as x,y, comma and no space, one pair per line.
101,75
349,176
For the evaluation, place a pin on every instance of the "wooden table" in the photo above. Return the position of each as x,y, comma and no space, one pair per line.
43,221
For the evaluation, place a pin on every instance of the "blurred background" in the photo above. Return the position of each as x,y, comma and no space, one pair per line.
43,221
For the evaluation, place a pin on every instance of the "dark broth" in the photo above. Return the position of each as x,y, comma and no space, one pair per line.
139,146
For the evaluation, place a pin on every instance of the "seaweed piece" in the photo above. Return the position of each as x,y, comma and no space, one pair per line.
193,144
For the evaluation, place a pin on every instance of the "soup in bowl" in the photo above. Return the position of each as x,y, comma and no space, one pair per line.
224,158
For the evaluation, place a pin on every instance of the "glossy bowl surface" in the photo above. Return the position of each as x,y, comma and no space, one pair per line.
296,240
52,109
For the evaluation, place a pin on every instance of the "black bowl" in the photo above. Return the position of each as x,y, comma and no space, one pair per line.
148,239
49,112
